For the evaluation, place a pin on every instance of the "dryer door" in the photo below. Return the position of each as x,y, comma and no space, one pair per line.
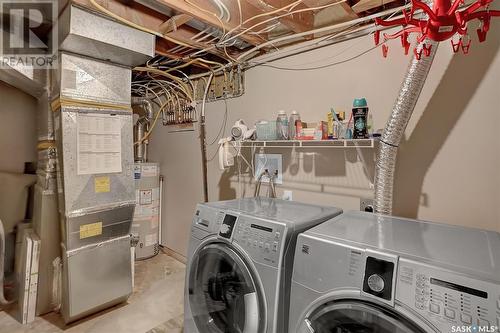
223,295
353,316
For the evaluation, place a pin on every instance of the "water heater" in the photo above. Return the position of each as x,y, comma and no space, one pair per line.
145,223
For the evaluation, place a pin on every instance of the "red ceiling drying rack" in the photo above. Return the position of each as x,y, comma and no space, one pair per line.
443,22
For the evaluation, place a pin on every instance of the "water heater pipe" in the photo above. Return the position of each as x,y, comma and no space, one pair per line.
141,149
141,127
395,128
203,138
146,104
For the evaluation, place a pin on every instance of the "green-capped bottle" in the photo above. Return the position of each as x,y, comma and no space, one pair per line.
360,118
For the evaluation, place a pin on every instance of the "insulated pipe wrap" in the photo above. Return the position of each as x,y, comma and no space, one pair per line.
395,128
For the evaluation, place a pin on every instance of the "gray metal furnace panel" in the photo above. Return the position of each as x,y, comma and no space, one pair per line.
46,226
96,277
87,193
112,223
85,79
91,34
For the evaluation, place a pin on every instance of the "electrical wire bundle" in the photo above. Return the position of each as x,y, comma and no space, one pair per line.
211,39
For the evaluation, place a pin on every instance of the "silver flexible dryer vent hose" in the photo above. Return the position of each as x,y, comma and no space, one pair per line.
396,126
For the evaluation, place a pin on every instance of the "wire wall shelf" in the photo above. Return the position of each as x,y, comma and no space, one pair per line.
339,143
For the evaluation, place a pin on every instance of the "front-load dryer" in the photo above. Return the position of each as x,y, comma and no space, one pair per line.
362,272
240,264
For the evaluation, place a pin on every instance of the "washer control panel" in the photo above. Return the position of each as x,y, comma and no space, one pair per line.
451,302
261,239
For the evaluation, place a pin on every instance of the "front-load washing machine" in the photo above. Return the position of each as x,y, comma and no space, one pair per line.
362,272
240,264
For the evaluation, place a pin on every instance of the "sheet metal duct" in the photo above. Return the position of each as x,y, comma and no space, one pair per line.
47,227
88,196
31,81
94,136
84,79
140,146
394,130
91,34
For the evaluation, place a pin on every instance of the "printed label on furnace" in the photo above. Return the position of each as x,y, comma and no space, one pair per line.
98,144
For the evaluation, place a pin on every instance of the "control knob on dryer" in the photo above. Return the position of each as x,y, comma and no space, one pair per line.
376,283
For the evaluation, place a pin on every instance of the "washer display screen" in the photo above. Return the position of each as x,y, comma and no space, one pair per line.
459,288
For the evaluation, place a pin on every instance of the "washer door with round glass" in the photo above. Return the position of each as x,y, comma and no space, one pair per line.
352,316
223,295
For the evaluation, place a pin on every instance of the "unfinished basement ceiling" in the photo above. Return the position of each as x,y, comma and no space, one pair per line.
234,31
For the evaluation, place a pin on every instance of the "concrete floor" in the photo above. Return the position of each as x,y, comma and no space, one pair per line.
156,306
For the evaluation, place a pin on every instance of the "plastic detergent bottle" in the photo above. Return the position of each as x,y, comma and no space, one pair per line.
360,119
292,125
282,125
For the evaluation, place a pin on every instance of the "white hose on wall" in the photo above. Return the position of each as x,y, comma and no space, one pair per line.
395,128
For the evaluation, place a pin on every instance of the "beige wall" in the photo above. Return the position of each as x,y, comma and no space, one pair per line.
448,165
17,129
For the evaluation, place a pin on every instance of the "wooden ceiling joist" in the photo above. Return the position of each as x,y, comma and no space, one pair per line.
155,21
207,12
298,22
318,3
182,22
350,13
174,23
365,5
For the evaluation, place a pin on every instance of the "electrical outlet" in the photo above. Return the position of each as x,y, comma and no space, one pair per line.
367,205
271,162
287,195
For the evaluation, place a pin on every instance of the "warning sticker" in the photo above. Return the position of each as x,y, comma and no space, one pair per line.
102,184
149,171
90,230
145,197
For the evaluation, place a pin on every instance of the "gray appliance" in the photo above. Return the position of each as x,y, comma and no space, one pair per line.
362,272
240,263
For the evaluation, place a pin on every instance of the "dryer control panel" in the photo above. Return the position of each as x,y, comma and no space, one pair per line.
261,239
451,302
